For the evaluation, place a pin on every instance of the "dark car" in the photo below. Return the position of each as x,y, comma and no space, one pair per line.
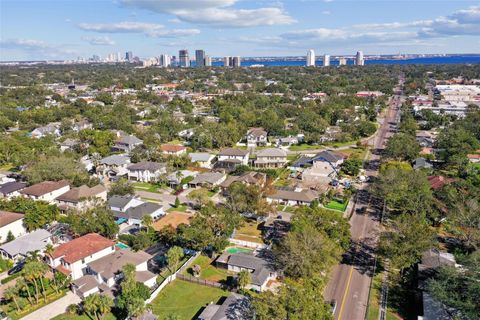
361,210
16,268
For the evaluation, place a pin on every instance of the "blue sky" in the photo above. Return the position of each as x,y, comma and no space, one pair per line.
70,28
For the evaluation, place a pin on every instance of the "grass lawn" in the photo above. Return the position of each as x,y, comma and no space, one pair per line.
335,205
185,300
283,178
358,153
146,186
180,208
207,270
65,316
304,147
7,167
339,144
249,232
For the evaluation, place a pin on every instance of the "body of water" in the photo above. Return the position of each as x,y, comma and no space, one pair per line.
427,60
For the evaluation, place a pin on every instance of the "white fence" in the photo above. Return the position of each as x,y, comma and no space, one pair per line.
248,244
170,278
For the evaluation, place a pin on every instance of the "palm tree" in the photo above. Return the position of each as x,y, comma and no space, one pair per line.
22,285
11,293
91,303
105,304
29,274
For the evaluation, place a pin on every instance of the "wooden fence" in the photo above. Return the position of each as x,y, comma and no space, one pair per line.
199,281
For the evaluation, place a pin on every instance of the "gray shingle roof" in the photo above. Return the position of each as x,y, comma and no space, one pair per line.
130,140
304,196
233,152
140,211
10,187
207,177
235,307
116,159
36,240
146,165
110,264
119,201
328,156
260,266
200,156
272,152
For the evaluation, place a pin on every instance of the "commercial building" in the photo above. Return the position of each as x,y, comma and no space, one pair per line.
184,60
342,61
310,58
200,58
129,56
359,59
208,61
326,60
165,60
236,62
227,61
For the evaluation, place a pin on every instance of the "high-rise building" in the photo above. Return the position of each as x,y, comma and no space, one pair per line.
129,56
236,62
326,60
200,58
184,60
310,58
342,61
165,60
226,61
208,61
359,60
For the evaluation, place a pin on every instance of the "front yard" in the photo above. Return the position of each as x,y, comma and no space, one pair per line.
185,300
336,205
208,271
144,186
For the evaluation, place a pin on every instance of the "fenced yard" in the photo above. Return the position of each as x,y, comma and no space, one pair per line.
208,271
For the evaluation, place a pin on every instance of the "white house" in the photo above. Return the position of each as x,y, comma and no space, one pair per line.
173,149
146,171
271,158
11,222
132,210
256,137
292,198
11,189
82,198
72,258
20,247
202,159
104,273
234,155
50,129
46,191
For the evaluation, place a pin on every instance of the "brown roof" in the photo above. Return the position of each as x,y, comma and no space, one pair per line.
172,147
80,193
82,247
473,156
7,217
437,182
250,177
304,196
45,187
109,265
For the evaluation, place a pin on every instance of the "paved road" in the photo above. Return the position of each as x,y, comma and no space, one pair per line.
55,308
350,281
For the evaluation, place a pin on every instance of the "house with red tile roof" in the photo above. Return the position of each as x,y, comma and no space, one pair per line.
437,182
71,258
474,158
173,149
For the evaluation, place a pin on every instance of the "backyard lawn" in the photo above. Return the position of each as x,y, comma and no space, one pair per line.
207,270
249,232
180,208
335,205
304,147
65,316
185,300
358,153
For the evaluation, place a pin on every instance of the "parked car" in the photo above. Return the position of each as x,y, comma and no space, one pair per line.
17,268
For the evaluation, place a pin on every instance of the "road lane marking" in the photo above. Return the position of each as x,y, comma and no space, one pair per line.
345,294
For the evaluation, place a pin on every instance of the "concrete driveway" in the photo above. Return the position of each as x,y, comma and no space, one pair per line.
55,308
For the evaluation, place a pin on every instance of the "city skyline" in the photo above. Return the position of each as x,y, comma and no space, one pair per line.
67,30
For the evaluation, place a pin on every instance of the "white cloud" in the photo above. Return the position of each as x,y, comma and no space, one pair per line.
393,25
149,29
326,12
121,27
215,12
36,49
99,41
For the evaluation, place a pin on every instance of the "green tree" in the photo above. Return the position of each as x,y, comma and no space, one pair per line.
465,220
405,241
121,188
10,236
402,146
177,202
133,294
199,196
37,213
98,219
351,166
174,255
243,198
147,221
243,279
11,293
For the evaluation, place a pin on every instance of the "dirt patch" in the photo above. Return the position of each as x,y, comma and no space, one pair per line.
173,219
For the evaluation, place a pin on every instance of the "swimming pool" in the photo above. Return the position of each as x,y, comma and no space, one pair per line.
239,250
122,245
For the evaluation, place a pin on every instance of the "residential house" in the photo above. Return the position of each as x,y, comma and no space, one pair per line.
256,137
324,167
69,144
290,140
437,182
114,165
271,158
175,178
173,149
146,171
50,129
11,189
46,191
126,143
229,158
292,198
132,210
82,198
260,269
207,180
11,222
202,159
474,158
186,134
421,163
235,306
104,273
19,248
81,125
250,178
72,258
